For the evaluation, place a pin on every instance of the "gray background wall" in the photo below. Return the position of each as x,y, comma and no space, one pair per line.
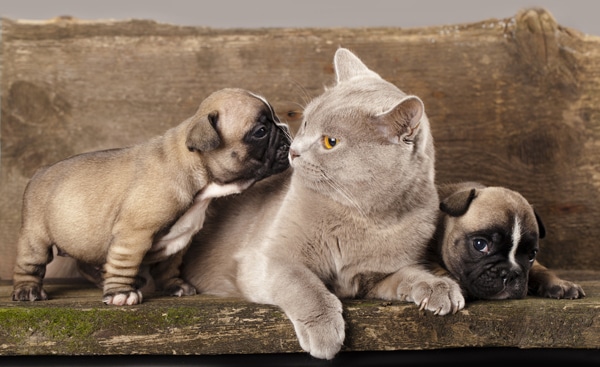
578,14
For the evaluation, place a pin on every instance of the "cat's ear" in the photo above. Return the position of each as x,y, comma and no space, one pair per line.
458,203
348,66
401,122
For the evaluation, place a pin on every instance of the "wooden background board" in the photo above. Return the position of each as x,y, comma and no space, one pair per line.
513,102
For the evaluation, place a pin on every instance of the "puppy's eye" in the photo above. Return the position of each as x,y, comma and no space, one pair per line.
329,142
259,133
481,245
532,255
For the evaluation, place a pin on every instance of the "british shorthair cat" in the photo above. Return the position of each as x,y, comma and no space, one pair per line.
351,219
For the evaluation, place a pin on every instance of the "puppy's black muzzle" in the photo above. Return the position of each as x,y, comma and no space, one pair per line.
272,157
497,282
276,158
282,141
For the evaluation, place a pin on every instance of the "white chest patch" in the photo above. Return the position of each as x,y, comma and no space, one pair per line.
215,190
192,220
516,238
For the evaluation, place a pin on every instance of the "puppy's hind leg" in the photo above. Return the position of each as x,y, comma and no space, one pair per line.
34,252
167,278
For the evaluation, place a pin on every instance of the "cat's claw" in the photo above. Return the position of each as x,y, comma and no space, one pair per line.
442,296
423,304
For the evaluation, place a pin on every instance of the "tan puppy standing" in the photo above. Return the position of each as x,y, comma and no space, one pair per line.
117,209
487,238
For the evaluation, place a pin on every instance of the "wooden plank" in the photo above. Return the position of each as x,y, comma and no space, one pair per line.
513,102
75,322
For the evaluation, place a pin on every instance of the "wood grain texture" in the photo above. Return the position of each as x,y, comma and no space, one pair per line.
75,322
512,102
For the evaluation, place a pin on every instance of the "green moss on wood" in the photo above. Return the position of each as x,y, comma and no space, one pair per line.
75,322
77,329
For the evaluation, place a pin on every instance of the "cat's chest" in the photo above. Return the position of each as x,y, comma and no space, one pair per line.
346,248
348,251
353,261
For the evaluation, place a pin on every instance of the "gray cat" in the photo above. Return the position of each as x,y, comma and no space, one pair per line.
351,219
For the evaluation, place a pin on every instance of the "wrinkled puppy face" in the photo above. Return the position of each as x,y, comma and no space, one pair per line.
491,247
250,142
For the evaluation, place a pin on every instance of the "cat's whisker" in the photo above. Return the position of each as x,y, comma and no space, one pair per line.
305,95
349,197
288,134
284,129
297,104
345,193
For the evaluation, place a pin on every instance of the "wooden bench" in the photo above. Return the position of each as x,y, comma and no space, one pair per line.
512,102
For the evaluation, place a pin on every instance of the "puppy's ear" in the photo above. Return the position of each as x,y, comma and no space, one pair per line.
203,135
458,203
541,227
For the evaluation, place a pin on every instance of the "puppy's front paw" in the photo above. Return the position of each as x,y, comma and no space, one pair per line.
561,289
441,296
322,334
123,298
29,292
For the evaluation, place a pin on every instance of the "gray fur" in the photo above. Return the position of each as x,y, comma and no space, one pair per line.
351,221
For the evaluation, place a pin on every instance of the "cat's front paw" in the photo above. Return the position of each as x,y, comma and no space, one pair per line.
322,333
560,289
441,296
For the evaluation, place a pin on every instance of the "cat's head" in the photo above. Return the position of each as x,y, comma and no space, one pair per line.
363,139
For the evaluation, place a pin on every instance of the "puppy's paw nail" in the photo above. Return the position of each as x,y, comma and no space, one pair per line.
134,298
125,298
119,299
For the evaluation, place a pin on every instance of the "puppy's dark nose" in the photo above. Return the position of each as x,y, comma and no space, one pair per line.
293,154
510,276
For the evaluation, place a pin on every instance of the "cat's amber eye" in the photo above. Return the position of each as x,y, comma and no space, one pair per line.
329,142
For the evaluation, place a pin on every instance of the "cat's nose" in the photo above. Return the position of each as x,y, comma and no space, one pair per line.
293,154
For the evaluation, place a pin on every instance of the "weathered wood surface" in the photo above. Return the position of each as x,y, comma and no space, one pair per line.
512,102
75,322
